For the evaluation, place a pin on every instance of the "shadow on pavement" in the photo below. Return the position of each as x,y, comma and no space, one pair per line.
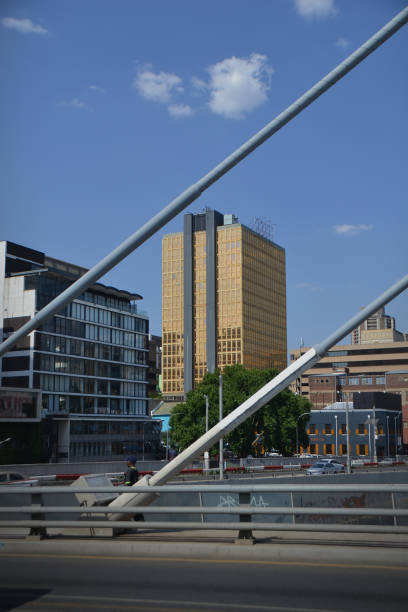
12,598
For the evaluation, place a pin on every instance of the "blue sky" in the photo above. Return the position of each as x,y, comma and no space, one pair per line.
111,109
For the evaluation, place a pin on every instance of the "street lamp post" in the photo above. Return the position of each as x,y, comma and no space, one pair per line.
388,436
143,442
221,453
337,446
348,438
369,435
374,436
206,453
395,436
297,430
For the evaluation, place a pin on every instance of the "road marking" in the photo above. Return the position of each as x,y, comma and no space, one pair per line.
399,568
140,604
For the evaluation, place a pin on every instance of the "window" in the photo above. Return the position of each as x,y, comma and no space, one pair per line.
360,429
367,380
343,429
329,449
380,380
88,406
327,428
102,387
115,388
312,428
89,386
75,404
361,449
343,449
353,381
75,385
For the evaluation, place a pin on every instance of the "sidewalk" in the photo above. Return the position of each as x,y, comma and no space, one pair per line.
291,547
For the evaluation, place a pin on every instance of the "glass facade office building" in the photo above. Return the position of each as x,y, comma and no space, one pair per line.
90,361
224,301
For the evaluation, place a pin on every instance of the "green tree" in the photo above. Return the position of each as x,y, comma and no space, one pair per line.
277,419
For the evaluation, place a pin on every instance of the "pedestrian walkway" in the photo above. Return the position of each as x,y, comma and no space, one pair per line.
290,547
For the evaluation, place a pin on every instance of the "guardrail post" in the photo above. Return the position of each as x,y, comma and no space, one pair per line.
245,535
36,533
393,507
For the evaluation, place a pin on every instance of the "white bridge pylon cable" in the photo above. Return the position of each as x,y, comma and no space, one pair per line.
195,190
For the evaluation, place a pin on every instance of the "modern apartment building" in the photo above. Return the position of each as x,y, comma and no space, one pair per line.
89,362
379,362
224,301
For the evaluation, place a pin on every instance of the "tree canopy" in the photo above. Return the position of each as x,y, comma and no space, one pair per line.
274,423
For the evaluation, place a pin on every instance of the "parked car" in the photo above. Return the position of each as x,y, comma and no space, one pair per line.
325,466
17,478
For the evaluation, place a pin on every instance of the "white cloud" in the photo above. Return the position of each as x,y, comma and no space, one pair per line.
25,26
74,103
97,88
199,84
351,230
343,43
239,85
157,87
180,110
315,8
308,286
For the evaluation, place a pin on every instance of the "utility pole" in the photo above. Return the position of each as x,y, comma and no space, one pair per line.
348,438
337,438
221,439
375,436
206,453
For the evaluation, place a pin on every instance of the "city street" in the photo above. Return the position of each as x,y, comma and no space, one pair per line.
75,582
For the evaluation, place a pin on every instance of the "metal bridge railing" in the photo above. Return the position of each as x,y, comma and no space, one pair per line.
358,508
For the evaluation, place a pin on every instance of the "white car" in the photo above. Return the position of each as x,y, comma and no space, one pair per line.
18,479
325,466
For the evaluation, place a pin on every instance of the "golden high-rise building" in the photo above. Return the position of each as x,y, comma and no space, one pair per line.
224,301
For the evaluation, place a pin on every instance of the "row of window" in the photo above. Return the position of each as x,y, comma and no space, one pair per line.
48,287
80,348
228,359
359,450
107,317
229,345
87,367
110,449
384,360
67,327
110,427
173,386
74,384
90,405
328,429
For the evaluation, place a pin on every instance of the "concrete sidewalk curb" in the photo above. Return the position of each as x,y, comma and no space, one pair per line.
178,551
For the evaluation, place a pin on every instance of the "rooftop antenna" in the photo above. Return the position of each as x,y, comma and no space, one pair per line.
264,227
